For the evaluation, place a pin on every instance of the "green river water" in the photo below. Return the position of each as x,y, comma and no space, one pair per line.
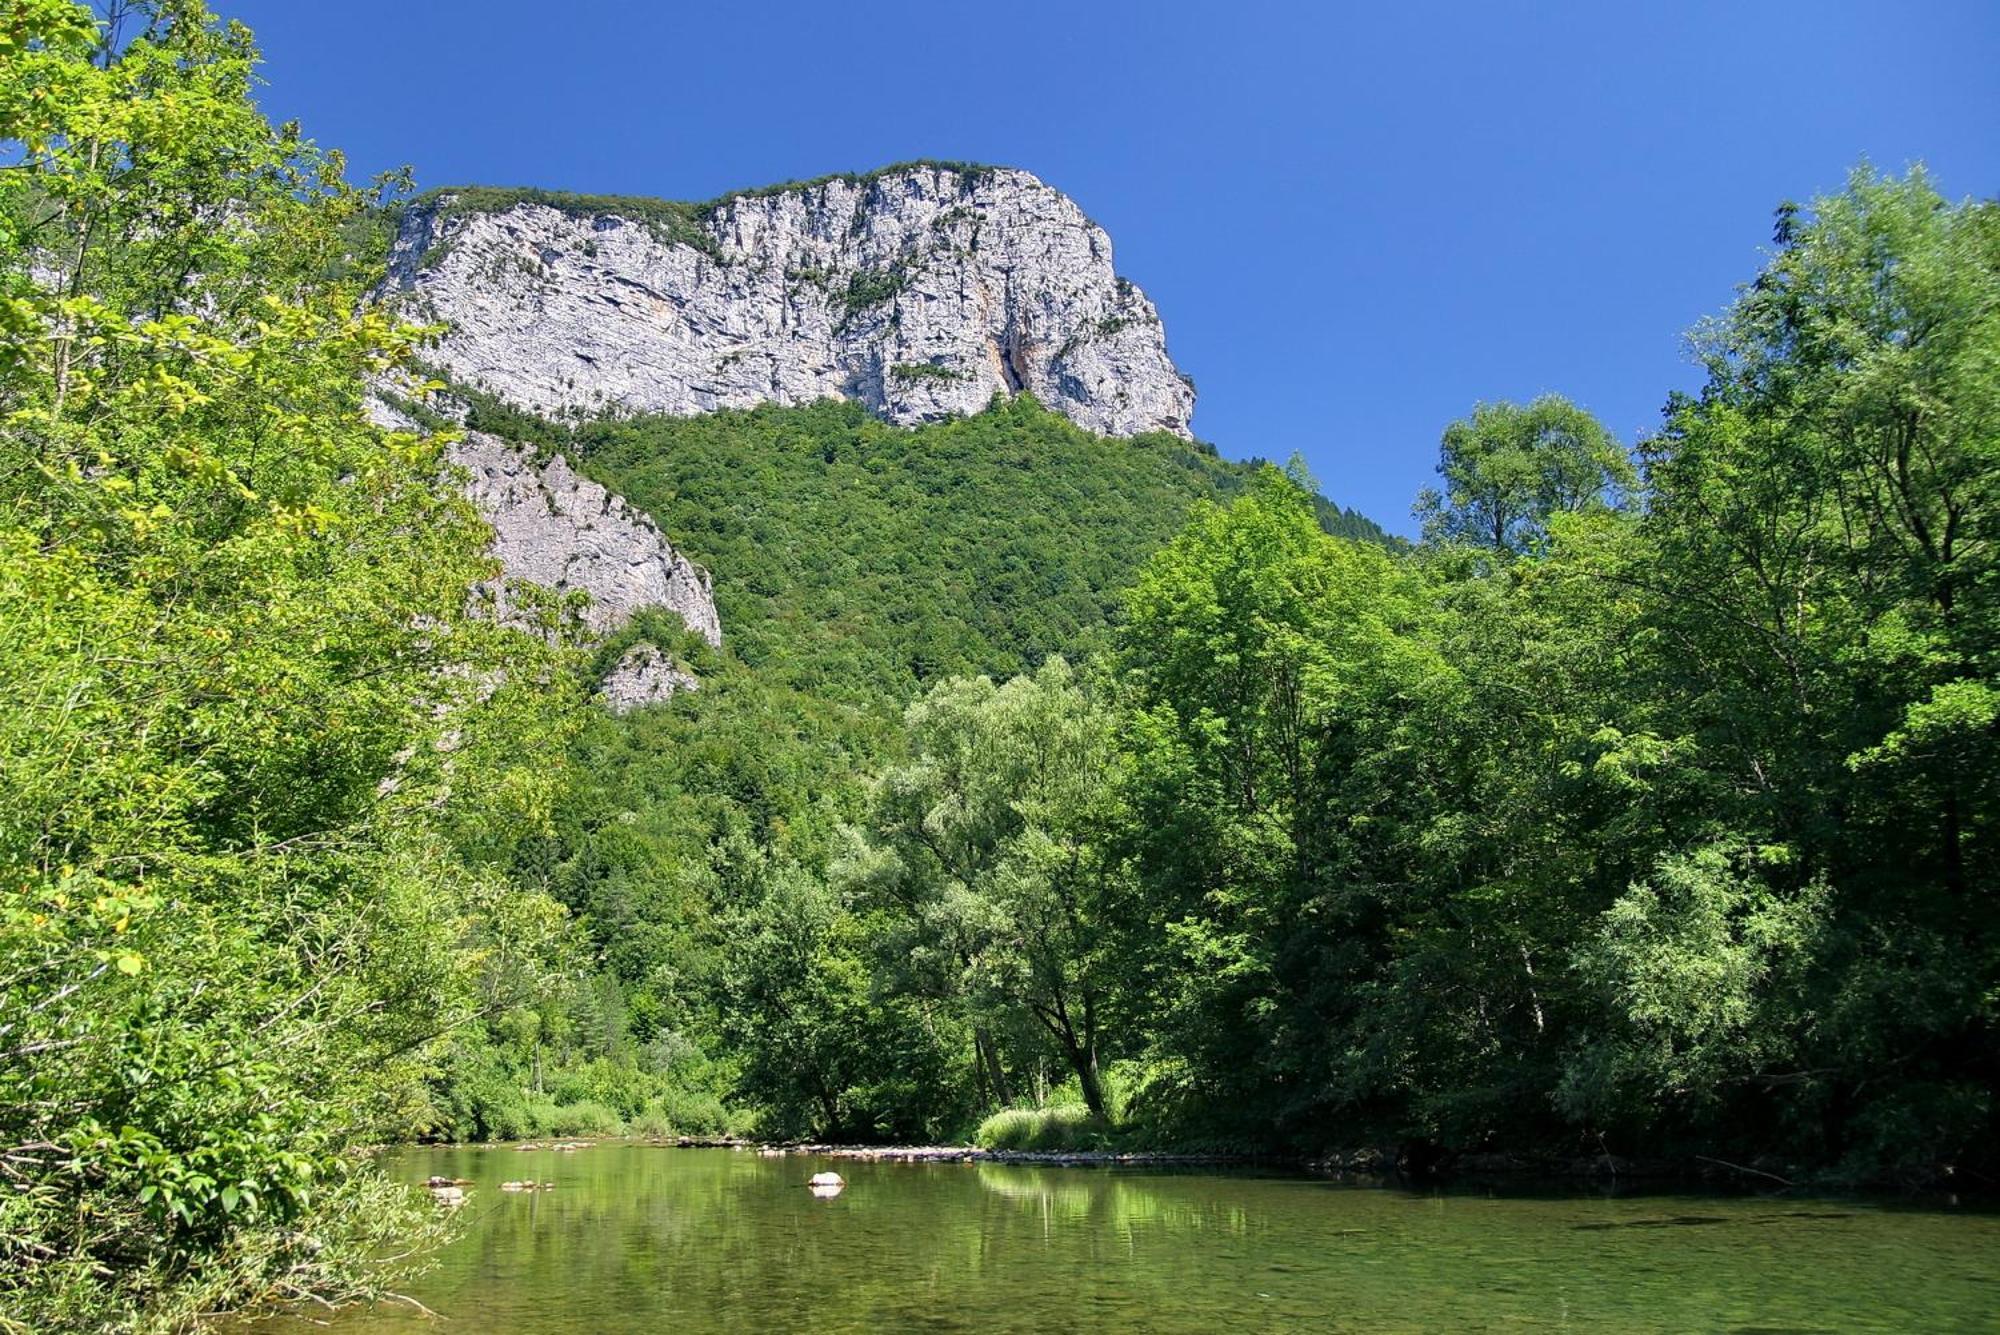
635,1238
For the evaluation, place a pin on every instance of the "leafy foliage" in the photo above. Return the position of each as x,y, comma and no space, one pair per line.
1630,835
989,860
1507,468
862,561
1636,810
258,757
1614,815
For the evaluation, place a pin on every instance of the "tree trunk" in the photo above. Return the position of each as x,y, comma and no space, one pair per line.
989,1055
829,1109
1085,1061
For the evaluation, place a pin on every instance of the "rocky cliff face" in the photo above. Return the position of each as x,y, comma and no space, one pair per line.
565,532
921,291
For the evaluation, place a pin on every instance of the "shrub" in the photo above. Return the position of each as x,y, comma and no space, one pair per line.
652,1120
694,1112
585,1118
1068,1127
926,371
872,287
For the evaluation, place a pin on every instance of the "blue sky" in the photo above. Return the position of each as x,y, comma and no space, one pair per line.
1356,220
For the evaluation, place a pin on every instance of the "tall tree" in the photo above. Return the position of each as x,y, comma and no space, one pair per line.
1508,467
990,843
1820,569
1279,683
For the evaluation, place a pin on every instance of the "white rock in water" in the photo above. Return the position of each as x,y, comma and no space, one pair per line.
826,1180
920,291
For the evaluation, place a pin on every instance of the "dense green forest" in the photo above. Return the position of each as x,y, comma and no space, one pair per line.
1048,790
1638,809
862,561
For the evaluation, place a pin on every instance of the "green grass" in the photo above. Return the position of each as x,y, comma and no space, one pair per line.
1069,1126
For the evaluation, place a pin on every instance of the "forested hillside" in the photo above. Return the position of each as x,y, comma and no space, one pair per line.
1638,810
861,560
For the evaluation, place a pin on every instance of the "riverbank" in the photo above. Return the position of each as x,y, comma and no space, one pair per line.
1372,1165
1368,1164
977,1154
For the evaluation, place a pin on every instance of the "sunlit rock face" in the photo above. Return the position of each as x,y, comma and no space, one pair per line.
920,291
559,530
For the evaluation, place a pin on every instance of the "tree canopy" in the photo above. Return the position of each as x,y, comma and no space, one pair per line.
1509,467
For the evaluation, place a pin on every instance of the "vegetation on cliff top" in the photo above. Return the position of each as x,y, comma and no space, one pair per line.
681,222
494,198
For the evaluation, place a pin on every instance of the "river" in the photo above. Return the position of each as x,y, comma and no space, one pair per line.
635,1238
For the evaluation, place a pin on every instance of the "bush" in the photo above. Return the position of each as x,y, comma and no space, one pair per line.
678,1112
1068,1127
652,1120
926,371
695,1112
586,1118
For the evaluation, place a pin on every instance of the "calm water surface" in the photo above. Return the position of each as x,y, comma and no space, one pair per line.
635,1238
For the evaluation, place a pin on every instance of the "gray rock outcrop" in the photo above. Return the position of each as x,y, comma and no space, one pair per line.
644,676
921,291
564,532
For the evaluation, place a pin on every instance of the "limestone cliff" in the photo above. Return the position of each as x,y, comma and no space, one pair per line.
921,291
564,532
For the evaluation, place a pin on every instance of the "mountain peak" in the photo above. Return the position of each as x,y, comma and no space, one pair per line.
921,290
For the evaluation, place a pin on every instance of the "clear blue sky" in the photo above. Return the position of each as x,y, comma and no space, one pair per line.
1356,220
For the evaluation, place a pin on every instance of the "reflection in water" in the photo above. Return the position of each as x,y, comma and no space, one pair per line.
1116,1201
633,1238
